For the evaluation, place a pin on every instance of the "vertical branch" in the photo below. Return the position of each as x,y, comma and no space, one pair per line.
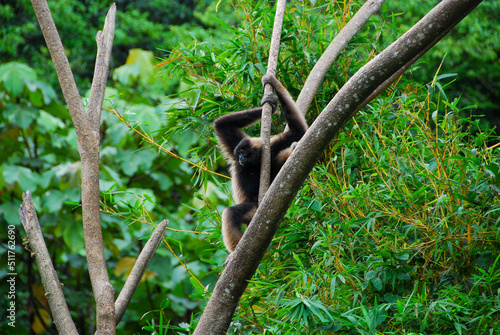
61,63
104,41
265,132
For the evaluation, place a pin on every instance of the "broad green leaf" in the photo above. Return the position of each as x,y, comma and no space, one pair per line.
73,236
23,176
52,201
49,122
10,211
14,77
21,115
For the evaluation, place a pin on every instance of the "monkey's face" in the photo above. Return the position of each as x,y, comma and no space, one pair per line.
247,154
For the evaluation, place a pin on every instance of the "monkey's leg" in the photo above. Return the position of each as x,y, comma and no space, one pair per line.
232,220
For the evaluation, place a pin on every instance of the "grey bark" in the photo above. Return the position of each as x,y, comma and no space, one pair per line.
138,270
53,289
88,144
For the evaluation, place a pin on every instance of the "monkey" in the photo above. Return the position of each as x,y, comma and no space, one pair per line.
243,154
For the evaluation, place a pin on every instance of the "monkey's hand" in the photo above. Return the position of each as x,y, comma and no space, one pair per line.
270,98
269,78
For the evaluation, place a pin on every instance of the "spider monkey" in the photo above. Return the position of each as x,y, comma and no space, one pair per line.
243,154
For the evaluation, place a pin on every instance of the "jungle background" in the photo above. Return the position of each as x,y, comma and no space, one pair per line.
396,231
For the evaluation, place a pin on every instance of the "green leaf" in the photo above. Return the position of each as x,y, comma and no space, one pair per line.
23,176
165,303
403,256
14,77
377,283
199,288
73,237
53,201
10,211
49,122
21,115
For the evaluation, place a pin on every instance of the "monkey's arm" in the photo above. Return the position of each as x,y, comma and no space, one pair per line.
285,98
297,124
228,128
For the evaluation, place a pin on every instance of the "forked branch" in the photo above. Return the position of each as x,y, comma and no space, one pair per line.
87,133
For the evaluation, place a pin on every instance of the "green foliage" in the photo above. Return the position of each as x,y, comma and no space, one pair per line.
139,187
471,49
149,25
394,232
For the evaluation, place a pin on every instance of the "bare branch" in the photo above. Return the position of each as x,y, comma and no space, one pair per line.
265,130
88,144
104,41
64,73
251,248
332,52
38,249
138,270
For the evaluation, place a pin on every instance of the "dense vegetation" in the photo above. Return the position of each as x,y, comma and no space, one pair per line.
395,231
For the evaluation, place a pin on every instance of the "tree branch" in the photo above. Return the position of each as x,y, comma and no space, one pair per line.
338,44
61,63
55,296
251,248
88,145
401,71
267,111
104,41
138,270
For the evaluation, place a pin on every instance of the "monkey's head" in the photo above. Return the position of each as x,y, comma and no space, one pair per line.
247,153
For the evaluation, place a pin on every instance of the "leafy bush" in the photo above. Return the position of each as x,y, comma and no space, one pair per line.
140,24
471,49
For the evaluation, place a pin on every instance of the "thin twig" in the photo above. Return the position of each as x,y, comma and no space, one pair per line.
138,270
151,141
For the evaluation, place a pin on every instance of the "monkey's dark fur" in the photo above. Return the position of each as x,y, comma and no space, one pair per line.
243,154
